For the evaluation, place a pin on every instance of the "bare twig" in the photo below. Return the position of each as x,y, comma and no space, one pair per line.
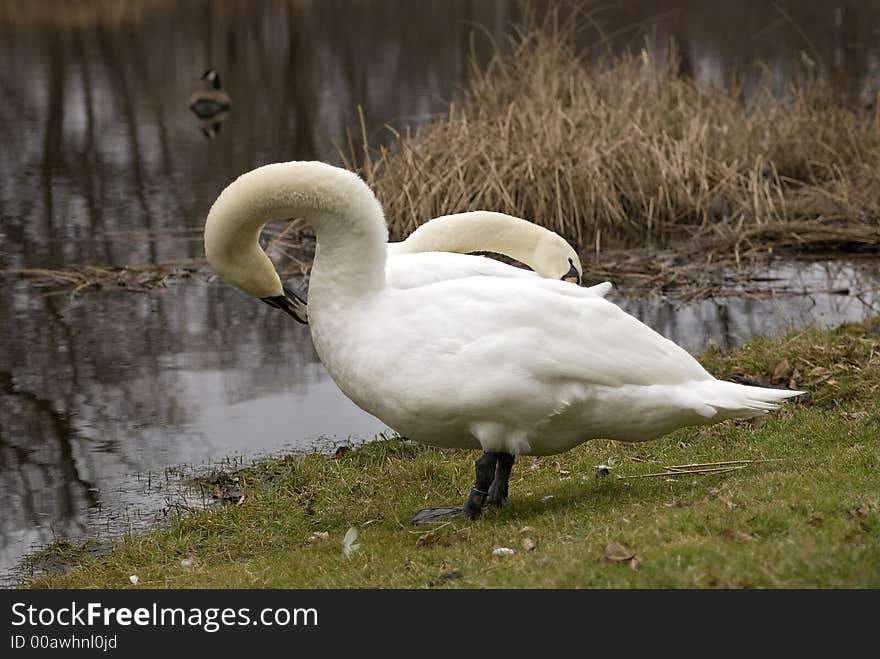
728,462
721,470
704,468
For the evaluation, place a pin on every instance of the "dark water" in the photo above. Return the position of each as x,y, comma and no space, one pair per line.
102,163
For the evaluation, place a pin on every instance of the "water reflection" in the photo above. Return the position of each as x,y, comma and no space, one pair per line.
103,163
110,388
822,294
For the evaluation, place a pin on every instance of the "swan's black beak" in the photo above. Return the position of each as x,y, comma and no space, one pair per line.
290,303
572,276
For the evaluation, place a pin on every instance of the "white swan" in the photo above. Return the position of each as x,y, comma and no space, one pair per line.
512,366
439,250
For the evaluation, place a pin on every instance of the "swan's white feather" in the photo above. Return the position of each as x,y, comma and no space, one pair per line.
349,546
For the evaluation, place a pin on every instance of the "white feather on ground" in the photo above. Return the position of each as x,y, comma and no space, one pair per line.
348,542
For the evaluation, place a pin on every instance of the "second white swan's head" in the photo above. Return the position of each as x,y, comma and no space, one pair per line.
556,259
545,252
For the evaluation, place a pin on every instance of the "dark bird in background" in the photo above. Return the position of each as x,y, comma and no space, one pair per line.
207,103
210,105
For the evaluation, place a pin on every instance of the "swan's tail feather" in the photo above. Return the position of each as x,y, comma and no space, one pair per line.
731,400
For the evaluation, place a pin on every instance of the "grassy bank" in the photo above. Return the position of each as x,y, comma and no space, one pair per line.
805,511
626,151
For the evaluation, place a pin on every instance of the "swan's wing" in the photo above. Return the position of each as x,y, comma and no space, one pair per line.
545,330
413,270
609,346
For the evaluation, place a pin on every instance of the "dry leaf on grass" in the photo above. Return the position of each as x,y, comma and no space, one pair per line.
781,371
617,553
740,536
426,539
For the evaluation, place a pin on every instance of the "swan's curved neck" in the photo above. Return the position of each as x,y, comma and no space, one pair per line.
477,231
347,218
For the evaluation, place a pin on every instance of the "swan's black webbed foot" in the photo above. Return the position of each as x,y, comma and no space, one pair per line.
498,490
486,468
434,515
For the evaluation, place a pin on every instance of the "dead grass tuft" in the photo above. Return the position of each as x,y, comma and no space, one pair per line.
627,152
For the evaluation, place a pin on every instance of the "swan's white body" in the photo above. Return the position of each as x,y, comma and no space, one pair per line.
518,365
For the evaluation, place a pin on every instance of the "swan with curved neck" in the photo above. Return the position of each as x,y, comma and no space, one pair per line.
512,366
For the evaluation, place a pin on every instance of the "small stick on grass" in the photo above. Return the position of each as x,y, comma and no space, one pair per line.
703,468
721,470
727,462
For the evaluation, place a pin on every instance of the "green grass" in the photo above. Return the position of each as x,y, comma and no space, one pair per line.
809,519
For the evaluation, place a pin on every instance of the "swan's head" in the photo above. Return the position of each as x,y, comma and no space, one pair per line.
250,270
556,259
345,214
233,251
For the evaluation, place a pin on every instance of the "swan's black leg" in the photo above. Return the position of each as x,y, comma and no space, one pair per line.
498,489
485,468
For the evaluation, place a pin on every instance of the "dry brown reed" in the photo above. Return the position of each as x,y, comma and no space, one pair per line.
135,278
627,152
